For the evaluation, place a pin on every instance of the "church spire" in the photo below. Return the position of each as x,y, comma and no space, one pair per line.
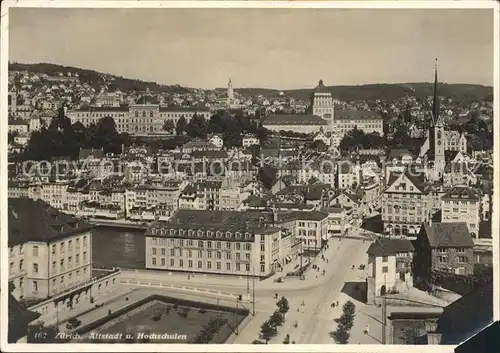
435,102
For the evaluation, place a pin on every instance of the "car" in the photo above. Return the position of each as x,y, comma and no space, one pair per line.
73,323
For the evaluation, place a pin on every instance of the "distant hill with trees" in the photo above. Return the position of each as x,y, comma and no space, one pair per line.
97,80
383,91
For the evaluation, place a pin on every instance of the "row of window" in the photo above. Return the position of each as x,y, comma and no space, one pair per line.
202,244
180,253
201,233
199,264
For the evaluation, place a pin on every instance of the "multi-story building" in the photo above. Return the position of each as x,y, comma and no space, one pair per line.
406,203
462,204
446,247
389,266
49,251
222,242
311,228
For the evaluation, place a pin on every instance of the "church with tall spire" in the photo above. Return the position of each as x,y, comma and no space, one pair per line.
439,141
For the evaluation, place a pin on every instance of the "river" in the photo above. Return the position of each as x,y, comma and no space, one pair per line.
118,247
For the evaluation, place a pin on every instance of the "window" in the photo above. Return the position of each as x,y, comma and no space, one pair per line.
209,244
384,259
35,268
209,264
237,256
70,245
218,266
35,250
61,247
228,256
200,243
218,255
238,246
181,263
180,252
190,253
153,260
461,250
228,266
54,249
247,256
70,263
200,264
163,251
462,259
84,256
218,245
228,245
262,268
238,267
172,263
154,251
385,269
21,265
172,252
262,258
190,263
35,286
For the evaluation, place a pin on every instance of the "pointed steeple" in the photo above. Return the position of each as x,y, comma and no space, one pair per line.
435,102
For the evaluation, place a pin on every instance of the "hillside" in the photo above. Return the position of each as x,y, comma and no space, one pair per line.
387,92
97,80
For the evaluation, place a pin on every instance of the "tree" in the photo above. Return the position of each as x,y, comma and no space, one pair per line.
283,305
412,335
169,126
181,126
267,331
341,335
197,126
287,339
267,175
276,319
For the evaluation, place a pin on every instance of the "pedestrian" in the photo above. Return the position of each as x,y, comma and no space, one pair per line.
188,277
367,329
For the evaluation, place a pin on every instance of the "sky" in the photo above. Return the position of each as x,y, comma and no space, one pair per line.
265,48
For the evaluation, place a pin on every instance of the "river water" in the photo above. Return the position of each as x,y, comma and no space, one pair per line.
118,247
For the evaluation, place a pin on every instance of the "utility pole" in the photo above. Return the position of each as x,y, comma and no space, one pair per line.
253,290
384,312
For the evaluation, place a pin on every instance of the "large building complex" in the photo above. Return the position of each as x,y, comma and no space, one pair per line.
324,117
223,242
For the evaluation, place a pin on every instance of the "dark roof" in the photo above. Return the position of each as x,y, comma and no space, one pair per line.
398,153
294,120
449,155
460,192
467,315
87,152
305,216
356,115
209,154
389,247
448,235
483,342
31,220
19,318
321,88
184,109
485,229
121,108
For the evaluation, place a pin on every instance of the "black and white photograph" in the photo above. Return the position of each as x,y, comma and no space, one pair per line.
248,173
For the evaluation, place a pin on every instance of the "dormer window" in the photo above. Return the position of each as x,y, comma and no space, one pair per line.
238,235
218,234
190,233
228,235
200,233
172,232
209,234
181,232
247,236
